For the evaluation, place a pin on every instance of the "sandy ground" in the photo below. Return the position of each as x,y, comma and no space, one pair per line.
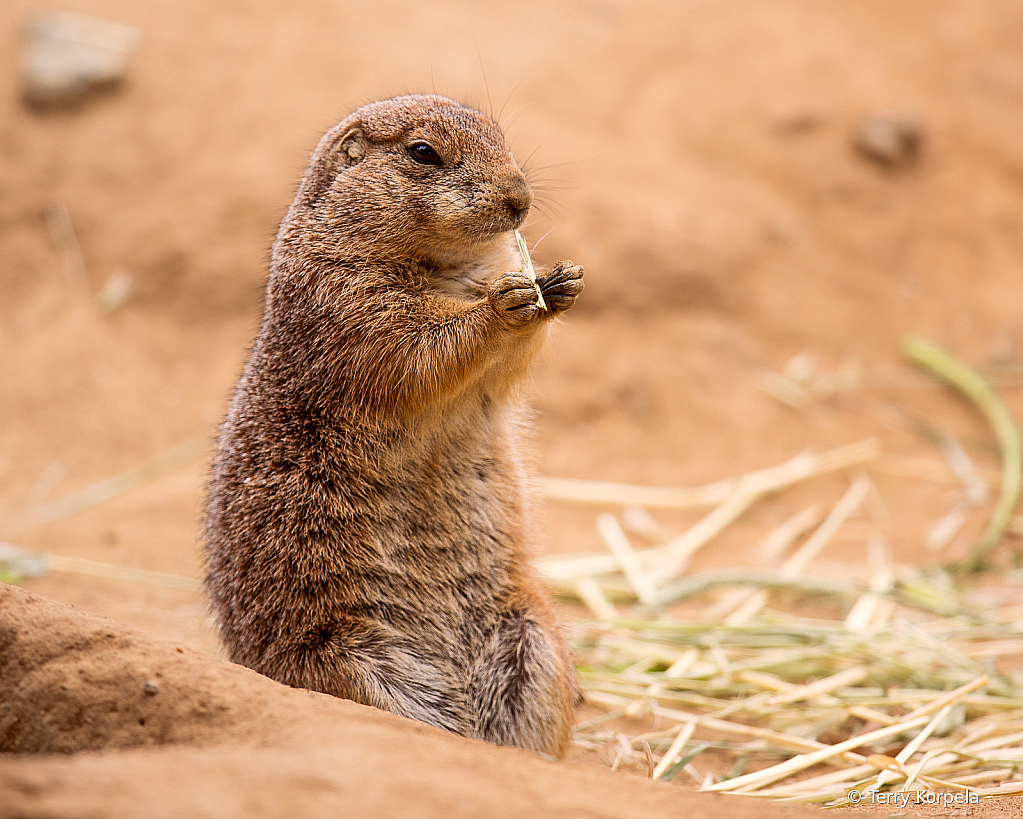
196,736
697,157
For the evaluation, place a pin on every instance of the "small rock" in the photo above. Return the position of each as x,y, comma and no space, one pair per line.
890,139
114,292
68,56
150,688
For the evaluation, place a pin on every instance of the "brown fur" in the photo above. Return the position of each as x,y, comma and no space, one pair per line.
368,514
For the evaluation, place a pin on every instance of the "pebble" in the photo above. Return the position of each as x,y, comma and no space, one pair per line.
70,56
889,139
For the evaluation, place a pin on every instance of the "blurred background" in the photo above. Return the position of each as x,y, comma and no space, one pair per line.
766,197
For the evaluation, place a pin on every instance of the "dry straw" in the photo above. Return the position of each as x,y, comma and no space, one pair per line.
979,392
916,685
820,710
913,688
527,268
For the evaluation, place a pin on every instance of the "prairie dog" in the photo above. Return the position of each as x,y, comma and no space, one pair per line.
368,518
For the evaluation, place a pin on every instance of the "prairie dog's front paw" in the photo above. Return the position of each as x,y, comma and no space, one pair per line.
513,297
561,286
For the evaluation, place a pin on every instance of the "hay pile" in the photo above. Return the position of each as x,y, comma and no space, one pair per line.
917,687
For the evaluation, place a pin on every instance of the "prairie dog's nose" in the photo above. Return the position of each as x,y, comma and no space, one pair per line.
518,199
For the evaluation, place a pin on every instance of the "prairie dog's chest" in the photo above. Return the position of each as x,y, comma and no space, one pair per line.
469,277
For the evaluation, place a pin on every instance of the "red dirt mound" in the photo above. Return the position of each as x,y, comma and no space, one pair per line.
229,742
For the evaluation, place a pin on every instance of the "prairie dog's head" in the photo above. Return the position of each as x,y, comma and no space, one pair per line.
419,175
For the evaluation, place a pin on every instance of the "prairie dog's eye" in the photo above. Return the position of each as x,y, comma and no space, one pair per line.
424,154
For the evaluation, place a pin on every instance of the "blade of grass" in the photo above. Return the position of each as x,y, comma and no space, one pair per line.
111,487
527,268
976,389
808,551
675,769
803,761
764,481
617,541
592,595
679,551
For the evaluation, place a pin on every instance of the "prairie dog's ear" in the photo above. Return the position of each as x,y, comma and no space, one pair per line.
351,148
331,158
